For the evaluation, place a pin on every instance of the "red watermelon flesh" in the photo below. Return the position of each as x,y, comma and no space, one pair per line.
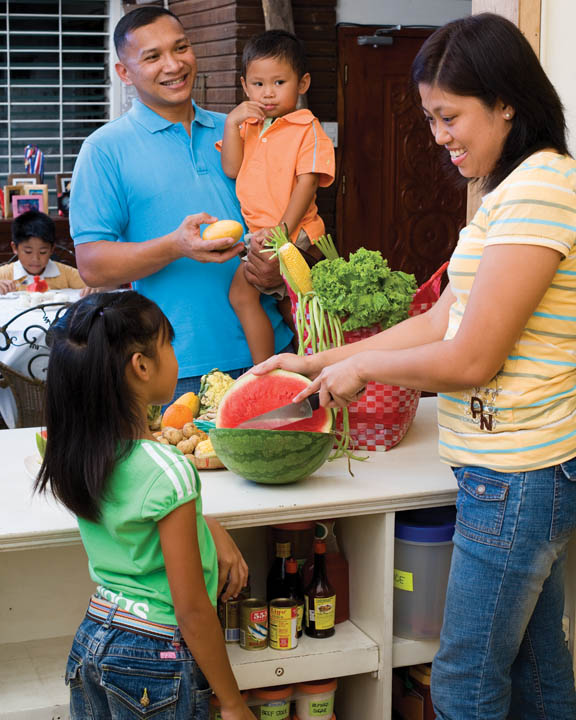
253,395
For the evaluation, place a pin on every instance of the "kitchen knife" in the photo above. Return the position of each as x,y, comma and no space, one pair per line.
284,415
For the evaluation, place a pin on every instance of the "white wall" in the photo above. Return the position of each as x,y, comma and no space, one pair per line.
402,12
558,57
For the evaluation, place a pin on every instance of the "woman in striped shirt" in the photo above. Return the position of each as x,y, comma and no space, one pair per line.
499,349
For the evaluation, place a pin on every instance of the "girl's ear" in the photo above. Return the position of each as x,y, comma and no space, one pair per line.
304,84
140,366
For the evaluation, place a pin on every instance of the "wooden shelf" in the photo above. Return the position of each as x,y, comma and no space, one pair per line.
413,652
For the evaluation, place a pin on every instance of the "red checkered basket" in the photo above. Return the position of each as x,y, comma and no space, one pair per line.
382,416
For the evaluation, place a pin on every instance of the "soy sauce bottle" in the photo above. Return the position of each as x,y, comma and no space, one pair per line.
319,598
294,591
276,580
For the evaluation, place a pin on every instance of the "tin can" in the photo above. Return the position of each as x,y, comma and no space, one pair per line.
283,624
253,624
229,614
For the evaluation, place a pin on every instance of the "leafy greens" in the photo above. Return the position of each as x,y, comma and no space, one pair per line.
364,290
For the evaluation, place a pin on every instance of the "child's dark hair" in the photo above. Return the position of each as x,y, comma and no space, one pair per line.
276,44
91,416
33,223
136,19
486,56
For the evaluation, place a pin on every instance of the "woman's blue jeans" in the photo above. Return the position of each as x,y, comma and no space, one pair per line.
502,651
115,674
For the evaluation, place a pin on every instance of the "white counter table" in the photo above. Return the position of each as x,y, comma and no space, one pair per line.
44,583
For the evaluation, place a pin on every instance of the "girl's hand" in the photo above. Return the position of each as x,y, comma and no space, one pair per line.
231,564
7,286
303,364
246,109
339,384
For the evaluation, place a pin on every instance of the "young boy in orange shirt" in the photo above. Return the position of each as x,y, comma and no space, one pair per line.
279,156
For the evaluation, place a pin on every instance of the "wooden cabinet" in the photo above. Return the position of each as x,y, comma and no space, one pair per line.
44,583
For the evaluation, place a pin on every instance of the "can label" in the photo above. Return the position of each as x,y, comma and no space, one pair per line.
229,613
277,710
253,624
403,580
283,624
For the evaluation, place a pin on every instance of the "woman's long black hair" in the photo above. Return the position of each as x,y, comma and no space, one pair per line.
91,416
487,57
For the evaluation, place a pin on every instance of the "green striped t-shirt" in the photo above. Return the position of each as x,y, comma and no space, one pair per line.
124,551
525,418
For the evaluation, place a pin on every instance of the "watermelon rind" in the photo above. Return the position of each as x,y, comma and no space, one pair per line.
271,457
253,395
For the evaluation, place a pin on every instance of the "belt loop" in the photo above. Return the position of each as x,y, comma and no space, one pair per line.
177,639
110,616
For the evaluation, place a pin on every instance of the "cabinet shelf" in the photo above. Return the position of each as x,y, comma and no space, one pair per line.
413,652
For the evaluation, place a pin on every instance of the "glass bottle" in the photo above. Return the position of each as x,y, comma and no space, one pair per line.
294,590
319,598
276,580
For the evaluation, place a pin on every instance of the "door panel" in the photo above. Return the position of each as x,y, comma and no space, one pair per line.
396,193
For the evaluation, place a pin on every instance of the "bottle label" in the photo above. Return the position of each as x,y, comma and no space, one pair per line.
300,618
324,612
275,711
403,580
321,708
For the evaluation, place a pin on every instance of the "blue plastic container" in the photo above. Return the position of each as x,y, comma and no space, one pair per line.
422,555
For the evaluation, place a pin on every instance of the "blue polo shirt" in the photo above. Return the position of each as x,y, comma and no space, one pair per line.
136,179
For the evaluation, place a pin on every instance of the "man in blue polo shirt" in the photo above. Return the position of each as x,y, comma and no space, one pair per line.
142,187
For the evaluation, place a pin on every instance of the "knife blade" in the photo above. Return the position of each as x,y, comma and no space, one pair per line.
284,415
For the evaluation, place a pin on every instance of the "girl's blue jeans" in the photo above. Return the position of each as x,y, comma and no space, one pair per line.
502,651
116,674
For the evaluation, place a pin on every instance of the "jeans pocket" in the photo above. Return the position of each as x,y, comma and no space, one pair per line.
73,667
481,506
202,704
137,689
564,512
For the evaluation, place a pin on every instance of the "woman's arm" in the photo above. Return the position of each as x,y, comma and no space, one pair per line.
195,614
509,285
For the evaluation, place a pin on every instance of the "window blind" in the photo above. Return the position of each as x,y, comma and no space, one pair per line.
55,80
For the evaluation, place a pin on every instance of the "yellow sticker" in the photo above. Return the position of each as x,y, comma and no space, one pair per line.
403,580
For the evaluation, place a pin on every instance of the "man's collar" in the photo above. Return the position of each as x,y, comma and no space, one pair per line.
19,272
153,122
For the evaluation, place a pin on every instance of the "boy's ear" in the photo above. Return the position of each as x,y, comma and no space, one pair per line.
244,86
304,84
14,248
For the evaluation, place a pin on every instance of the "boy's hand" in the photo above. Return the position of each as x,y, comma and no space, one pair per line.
246,109
7,286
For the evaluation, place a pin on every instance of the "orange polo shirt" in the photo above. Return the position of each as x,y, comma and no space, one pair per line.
295,144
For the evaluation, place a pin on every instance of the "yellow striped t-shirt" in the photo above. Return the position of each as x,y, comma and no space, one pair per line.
525,418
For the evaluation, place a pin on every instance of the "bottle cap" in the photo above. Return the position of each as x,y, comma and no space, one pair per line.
291,565
319,547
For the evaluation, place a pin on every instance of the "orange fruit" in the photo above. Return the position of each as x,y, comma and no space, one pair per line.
176,416
222,229
191,400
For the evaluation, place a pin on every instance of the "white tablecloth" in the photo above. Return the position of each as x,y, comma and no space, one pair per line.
20,353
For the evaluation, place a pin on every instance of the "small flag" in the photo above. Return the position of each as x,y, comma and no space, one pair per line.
34,161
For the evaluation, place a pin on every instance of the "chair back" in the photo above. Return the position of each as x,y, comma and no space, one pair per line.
28,394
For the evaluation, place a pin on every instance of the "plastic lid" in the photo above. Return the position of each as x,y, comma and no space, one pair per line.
295,717
216,703
272,693
316,687
426,525
309,525
291,565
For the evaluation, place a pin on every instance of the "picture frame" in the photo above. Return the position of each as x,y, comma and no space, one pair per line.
23,178
9,192
63,182
23,203
39,190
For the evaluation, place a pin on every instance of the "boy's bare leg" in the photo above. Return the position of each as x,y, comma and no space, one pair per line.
245,299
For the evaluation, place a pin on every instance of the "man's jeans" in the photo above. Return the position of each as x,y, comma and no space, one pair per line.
502,651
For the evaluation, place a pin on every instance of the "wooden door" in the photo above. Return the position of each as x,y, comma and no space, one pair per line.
396,193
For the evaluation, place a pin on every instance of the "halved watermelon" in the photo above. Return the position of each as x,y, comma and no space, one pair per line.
253,395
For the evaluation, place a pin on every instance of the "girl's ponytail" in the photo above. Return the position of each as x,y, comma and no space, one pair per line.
91,417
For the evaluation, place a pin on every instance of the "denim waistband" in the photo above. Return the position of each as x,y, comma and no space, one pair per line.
109,614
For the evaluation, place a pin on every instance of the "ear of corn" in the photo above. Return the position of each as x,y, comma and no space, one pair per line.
295,268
